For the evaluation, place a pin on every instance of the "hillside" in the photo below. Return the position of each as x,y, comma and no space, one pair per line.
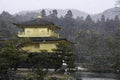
61,12
110,13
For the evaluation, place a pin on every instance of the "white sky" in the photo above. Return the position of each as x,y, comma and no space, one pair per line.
89,6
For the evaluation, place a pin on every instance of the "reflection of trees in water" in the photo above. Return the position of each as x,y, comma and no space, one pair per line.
96,76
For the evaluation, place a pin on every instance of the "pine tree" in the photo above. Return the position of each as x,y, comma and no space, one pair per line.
69,14
43,13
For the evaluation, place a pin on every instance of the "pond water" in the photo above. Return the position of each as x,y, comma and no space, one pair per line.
96,76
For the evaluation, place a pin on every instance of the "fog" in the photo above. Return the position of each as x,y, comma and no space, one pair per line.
89,6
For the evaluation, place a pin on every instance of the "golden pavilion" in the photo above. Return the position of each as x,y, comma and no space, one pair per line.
42,33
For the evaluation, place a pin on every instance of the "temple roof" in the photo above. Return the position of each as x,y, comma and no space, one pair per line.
44,39
39,22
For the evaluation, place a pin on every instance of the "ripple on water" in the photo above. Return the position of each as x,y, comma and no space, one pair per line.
97,79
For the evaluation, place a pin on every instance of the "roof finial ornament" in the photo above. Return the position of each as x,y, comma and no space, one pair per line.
39,17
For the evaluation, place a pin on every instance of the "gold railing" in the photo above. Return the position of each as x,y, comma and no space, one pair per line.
22,34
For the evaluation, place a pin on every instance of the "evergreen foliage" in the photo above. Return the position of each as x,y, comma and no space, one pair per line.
96,42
